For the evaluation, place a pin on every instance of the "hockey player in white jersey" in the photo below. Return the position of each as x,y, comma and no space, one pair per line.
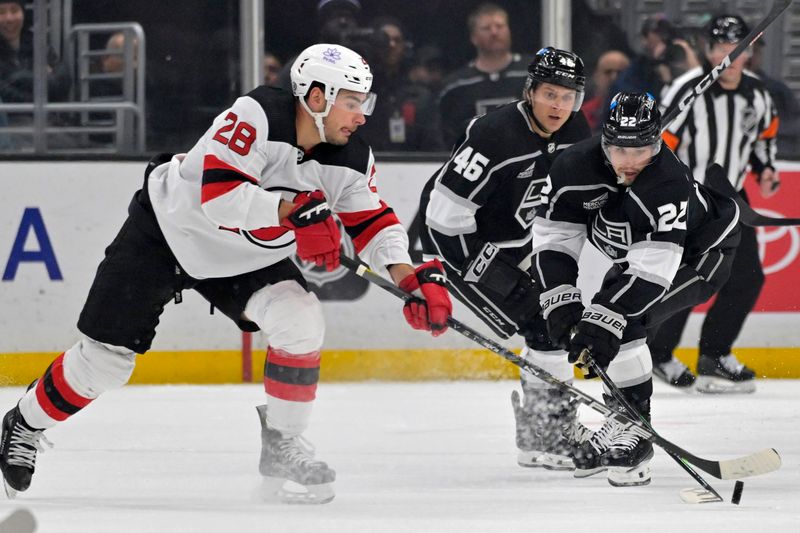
224,219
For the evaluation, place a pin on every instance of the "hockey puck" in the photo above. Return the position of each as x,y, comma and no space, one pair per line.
737,492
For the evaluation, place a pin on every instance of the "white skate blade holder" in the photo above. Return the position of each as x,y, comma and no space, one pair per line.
698,495
10,492
279,490
715,385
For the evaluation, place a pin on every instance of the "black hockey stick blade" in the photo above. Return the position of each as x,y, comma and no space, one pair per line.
750,465
715,178
778,7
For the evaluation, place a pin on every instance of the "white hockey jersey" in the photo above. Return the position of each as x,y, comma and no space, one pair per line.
218,204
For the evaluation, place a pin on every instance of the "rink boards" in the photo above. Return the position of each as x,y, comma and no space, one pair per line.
56,218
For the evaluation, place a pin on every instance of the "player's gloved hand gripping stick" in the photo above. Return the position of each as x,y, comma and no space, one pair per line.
754,464
315,231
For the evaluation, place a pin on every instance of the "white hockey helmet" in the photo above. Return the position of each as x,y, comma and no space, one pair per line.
336,67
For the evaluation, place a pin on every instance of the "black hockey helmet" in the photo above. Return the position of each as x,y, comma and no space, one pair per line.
633,120
726,29
559,67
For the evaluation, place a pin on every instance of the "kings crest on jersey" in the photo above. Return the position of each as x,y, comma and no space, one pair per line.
649,227
489,189
218,204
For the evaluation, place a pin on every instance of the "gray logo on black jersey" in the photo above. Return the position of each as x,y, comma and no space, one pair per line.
596,203
527,173
526,211
610,251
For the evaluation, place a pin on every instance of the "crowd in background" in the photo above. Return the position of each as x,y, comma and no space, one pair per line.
429,83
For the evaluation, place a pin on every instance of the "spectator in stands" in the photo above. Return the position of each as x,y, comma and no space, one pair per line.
678,57
493,78
427,68
272,69
113,62
785,102
336,19
642,75
16,59
609,66
404,117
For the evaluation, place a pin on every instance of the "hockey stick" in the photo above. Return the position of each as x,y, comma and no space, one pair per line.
709,495
778,7
754,464
715,178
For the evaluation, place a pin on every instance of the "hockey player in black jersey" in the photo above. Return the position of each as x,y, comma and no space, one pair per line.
477,212
671,241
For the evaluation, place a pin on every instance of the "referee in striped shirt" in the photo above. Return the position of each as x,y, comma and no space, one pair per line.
734,123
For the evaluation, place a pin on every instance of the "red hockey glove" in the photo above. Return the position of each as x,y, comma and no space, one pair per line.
433,307
315,230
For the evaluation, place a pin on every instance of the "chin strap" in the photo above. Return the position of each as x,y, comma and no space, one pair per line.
529,109
318,117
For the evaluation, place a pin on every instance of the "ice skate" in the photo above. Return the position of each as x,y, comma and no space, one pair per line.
629,452
724,376
291,474
589,454
547,430
628,459
18,446
674,373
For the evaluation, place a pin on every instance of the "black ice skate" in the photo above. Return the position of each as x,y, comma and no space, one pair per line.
18,446
291,473
674,373
547,429
629,453
724,375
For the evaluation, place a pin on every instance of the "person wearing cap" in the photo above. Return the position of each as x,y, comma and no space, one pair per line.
226,219
734,124
477,211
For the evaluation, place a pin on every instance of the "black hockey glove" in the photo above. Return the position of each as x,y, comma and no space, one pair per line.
599,333
562,308
510,288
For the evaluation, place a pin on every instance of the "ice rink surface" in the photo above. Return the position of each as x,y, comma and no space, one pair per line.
409,457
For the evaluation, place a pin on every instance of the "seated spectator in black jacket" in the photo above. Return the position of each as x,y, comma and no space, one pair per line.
492,79
16,59
405,113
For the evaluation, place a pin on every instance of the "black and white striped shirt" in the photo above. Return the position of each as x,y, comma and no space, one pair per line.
733,128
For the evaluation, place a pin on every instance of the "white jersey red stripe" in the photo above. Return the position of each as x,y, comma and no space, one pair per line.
217,205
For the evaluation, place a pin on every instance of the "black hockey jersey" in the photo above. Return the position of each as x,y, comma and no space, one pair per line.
469,92
649,228
489,189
